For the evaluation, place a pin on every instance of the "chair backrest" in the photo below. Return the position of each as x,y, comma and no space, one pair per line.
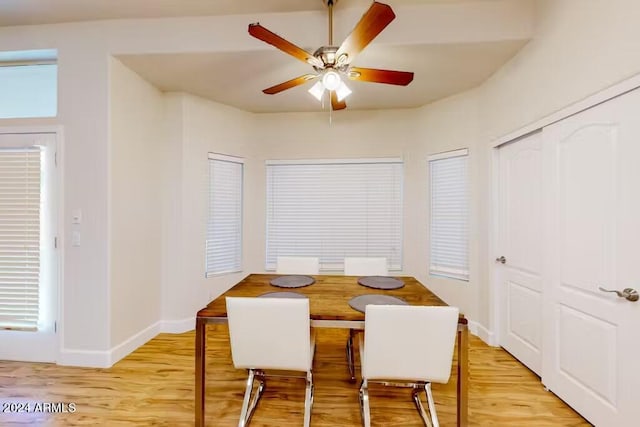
409,342
270,333
297,265
355,266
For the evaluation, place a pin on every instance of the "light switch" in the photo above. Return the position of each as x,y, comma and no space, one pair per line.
75,238
76,216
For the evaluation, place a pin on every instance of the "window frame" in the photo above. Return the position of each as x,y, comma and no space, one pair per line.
217,157
339,265
46,92
47,138
461,274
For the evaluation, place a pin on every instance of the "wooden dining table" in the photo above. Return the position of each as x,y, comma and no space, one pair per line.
329,308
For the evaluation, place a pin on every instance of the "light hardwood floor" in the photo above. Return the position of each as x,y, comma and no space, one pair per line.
155,386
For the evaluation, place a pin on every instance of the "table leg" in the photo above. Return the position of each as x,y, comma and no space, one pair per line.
463,374
201,341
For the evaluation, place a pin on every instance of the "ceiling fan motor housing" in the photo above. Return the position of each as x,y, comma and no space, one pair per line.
327,54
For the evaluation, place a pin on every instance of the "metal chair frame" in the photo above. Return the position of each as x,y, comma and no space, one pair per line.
251,399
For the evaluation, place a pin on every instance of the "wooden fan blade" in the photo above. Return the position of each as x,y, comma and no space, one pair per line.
261,33
289,84
335,104
401,78
370,25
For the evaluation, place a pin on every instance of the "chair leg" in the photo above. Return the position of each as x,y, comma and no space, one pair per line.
308,400
416,399
364,404
350,355
247,397
250,403
432,405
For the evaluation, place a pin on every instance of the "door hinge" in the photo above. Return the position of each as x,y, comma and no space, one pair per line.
55,327
55,158
55,242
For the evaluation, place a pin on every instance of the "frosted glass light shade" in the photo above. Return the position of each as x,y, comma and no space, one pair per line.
331,80
317,90
342,91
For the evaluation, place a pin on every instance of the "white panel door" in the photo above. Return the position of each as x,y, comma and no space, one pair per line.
520,243
592,338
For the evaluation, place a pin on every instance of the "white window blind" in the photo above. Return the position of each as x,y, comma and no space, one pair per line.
224,226
450,214
20,202
335,209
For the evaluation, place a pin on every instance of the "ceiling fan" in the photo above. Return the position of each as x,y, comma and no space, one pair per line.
332,63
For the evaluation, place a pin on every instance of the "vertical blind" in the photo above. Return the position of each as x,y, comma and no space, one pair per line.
335,209
449,214
224,225
19,237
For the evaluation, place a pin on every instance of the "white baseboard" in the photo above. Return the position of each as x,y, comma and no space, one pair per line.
84,358
106,359
483,333
131,344
178,326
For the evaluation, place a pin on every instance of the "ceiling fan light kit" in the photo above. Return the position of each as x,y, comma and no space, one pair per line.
332,64
331,80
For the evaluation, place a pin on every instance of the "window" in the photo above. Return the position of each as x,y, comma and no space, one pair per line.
19,237
27,229
224,225
449,214
28,91
334,209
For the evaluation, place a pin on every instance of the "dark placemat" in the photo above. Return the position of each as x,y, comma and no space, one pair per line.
282,295
381,282
360,302
293,281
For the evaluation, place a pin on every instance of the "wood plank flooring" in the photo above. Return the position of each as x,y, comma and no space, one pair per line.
155,386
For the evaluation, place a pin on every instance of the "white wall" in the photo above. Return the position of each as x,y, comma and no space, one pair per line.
581,47
84,51
172,268
82,111
351,134
444,126
203,127
136,167
557,68
409,134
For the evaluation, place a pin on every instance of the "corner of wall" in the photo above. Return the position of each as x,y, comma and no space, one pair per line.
483,333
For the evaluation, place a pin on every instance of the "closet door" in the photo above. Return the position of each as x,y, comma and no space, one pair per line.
591,337
520,249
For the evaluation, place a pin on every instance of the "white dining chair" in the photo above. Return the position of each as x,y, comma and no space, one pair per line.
365,266
297,265
410,346
270,334
361,266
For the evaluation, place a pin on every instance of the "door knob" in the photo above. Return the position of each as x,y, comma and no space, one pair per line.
501,259
629,294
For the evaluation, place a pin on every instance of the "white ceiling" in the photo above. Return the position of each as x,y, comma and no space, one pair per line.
450,45
25,12
237,78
